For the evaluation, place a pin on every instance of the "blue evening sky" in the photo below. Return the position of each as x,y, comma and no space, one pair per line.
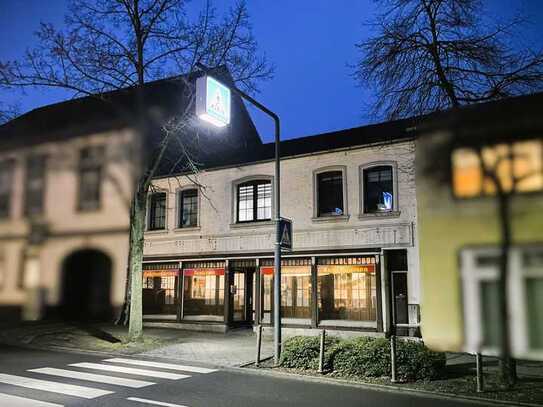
311,43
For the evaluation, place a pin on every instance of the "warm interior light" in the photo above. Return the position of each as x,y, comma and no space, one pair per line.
212,120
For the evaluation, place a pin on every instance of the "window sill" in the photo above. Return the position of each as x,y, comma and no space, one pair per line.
339,218
379,215
156,232
187,229
252,224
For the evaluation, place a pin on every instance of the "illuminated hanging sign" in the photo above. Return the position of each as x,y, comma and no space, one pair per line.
212,101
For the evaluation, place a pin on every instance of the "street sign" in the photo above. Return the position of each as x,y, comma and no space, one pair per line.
212,101
285,233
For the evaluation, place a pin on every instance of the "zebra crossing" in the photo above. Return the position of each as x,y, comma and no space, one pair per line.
108,372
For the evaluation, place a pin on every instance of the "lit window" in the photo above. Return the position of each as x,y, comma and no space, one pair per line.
518,165
378,189
254,201
157,211
188,208
330,194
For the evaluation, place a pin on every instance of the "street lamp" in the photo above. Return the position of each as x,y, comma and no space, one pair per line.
213,106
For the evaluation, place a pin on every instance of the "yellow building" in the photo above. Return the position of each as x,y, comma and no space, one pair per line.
460,230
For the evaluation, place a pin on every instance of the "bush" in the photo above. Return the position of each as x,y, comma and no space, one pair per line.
363,357
302,352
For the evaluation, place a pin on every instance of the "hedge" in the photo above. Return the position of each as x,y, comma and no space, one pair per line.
363,357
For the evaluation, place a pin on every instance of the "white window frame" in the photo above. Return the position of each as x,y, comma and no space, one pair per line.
234,201
472,275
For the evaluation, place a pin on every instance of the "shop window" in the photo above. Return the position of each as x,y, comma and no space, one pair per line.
188,208
378,189
330,193
518,165
295,292
203,293
254,201
6,184
481,298
157,211
2,268
35,184
347,291
160,288
90,177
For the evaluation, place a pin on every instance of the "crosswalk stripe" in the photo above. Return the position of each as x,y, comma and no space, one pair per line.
156,403
131,370
55,387
159,365
92,377
15,401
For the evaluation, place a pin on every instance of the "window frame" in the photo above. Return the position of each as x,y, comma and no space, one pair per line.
395,211
330,216
37,210
255,180
98,166
150,208
8,165
179,207
471,277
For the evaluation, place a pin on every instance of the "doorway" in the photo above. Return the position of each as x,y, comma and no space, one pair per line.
242,289
86,286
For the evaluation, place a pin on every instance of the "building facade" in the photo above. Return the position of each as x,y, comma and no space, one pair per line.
208,257
461,227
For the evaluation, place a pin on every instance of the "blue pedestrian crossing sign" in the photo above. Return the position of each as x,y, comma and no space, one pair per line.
285,234
213,101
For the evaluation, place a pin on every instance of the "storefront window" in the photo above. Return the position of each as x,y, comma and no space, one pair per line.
295,291
204,293
347,291
159,288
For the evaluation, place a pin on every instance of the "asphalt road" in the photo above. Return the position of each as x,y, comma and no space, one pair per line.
51,379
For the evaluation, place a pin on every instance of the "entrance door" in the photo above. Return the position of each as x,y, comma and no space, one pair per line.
241,295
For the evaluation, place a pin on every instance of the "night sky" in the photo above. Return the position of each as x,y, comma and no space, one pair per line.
311,43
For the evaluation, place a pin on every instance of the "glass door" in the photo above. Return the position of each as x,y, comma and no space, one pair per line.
238,294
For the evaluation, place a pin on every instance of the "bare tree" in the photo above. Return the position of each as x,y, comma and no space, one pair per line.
432,55
8,112
109,45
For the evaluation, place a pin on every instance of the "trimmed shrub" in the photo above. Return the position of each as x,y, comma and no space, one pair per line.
302,352
363,357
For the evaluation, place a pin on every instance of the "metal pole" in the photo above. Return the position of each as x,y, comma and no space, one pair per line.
258,344
277,249
321,353
277,254
393,358
479,367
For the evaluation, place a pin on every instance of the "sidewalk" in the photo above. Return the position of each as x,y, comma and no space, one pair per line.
234,348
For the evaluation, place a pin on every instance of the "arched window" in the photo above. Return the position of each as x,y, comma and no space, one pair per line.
330,192
188,208
157,211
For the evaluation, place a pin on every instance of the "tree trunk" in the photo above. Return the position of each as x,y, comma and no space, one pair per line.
507,364
137,228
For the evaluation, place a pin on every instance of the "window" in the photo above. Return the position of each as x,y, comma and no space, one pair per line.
35,185
254,201
157,211
330,193
347,289
378,189
188,208
521,162
6,182
481,297
203,293
90,177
